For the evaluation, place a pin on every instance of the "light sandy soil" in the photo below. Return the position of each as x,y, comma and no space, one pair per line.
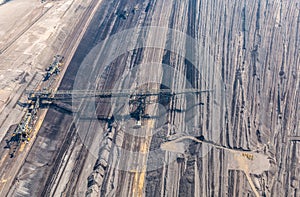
254,44
14,14
29,37
49,29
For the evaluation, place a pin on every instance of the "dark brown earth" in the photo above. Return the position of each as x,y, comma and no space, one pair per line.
255,46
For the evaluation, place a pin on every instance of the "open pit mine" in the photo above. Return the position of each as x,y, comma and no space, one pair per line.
150,98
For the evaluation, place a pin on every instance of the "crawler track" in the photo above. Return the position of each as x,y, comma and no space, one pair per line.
20,158
260,108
